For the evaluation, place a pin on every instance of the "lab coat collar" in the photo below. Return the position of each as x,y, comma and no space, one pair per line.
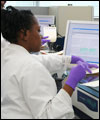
18,47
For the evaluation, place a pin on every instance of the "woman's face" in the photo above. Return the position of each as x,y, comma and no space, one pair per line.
34,38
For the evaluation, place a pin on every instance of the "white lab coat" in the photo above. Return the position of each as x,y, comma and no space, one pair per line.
4,43
27,89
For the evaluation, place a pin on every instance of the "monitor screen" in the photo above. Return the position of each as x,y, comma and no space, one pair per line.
45,20
82,39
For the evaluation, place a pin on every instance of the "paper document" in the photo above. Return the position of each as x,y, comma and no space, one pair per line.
51,32
94,71
56,53
91,84
59,53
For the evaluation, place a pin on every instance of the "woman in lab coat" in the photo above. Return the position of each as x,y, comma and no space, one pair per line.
27,89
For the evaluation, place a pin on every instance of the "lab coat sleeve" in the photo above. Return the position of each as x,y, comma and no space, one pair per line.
55,63
40,93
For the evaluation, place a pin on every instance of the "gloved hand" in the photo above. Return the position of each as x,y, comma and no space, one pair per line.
85,65
88,66
92,65
77,73
75,59
44,40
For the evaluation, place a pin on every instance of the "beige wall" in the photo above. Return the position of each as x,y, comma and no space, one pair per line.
65,13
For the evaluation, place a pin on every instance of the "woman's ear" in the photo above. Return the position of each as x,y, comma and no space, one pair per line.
23,35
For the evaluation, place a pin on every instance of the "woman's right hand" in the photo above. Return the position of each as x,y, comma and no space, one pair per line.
77,74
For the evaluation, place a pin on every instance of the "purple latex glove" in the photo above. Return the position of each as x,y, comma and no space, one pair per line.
85,65
44,40
92,65
75,59
88,66
77,74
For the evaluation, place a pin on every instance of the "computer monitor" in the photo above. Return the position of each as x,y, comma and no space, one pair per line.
82,39
45,20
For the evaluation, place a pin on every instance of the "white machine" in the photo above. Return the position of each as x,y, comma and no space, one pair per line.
82,39
51,32
86,101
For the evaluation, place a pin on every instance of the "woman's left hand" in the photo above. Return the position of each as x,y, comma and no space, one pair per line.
44,40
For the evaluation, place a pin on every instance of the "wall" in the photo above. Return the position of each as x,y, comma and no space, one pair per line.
37,10
70,13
